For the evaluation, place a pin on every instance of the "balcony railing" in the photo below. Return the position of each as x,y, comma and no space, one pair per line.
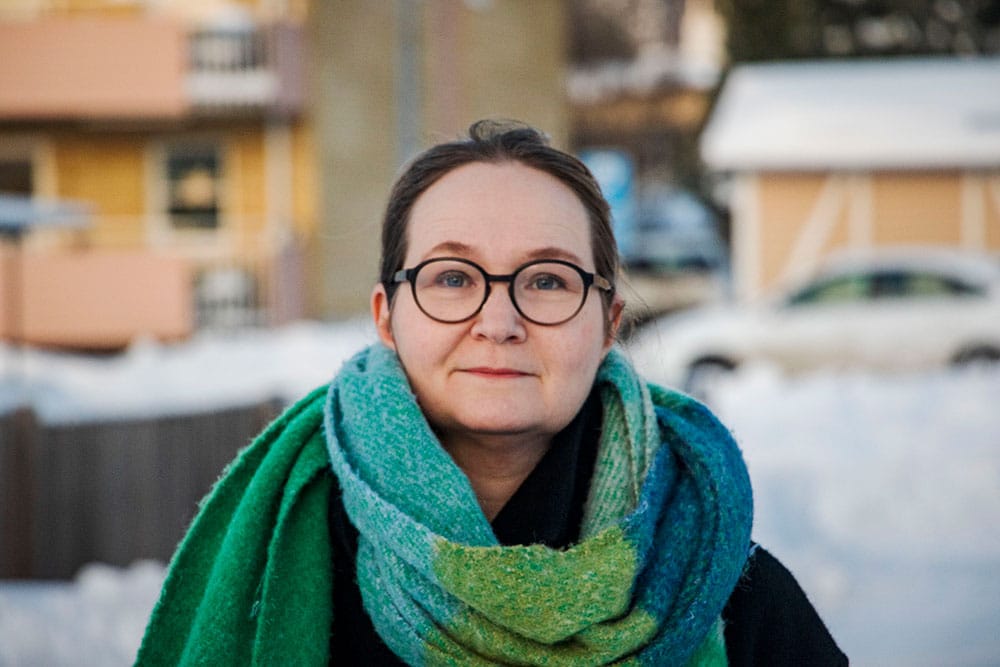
254,68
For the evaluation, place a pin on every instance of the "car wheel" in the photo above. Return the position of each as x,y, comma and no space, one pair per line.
980,355
703,376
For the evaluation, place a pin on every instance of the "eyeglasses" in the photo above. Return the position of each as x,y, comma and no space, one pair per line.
545,291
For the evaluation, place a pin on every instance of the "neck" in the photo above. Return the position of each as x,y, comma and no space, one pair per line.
496,465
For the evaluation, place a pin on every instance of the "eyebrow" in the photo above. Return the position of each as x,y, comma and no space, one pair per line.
451,247
553,252
464,250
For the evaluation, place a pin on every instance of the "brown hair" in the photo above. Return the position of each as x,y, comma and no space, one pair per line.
496,141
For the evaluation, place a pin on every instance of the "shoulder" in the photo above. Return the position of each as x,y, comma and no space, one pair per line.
303,418
687,417
769,620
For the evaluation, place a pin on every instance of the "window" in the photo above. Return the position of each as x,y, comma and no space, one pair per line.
932,285
193,185
15,177
890,285
844,289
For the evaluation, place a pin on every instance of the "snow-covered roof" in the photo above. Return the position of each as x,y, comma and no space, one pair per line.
641,77
906,113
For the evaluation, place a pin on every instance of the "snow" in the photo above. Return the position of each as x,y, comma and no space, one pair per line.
891,113
882,495
151,379
98,619
880,492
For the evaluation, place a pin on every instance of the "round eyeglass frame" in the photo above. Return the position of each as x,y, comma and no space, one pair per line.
589,280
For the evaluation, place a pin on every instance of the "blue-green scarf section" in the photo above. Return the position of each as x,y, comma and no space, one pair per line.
664,539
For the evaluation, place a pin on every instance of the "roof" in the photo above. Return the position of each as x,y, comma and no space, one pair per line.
905,113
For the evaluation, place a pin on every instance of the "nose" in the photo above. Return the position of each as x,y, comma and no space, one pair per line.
498,319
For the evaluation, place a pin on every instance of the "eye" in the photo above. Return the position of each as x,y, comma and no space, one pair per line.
546,282
453,279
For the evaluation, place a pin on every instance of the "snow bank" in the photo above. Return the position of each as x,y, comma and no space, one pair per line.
209,372
881,493
96,620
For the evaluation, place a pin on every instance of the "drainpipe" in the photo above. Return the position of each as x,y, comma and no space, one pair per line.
408,78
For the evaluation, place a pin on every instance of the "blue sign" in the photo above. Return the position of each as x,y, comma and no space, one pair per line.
615,173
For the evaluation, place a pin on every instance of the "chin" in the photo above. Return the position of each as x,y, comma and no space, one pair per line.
501,424
500,427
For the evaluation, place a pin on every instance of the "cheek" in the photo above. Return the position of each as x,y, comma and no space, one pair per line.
580,360
414,348
597,328
420,343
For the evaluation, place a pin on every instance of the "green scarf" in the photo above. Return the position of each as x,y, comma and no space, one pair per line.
664,539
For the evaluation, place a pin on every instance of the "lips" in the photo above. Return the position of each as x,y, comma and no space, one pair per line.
499,373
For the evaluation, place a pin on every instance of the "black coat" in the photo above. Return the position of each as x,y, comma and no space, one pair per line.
768,619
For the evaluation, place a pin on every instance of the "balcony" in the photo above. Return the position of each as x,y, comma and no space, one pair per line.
73,296
134,68
258,68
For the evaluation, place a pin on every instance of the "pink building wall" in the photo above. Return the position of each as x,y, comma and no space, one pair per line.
92,67
93,299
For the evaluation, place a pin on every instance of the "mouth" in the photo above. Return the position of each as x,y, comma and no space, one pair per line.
496,373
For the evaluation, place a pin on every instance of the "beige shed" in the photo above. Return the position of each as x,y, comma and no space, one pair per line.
820,156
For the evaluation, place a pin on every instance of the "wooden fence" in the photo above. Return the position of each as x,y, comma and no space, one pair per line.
111,491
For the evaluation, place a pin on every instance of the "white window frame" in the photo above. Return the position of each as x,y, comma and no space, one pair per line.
162,232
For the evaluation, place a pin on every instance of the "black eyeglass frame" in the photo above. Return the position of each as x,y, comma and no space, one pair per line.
589,280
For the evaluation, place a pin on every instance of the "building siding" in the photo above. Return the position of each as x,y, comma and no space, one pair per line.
796,219
917,208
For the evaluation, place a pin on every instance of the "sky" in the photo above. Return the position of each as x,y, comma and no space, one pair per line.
880,492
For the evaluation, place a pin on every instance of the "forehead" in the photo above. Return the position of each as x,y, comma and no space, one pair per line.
502,213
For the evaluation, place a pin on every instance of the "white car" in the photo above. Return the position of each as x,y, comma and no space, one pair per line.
895,310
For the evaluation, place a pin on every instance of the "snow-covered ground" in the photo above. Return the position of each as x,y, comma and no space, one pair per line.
150,379
881,493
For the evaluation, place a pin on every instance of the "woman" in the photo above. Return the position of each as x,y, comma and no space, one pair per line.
504,488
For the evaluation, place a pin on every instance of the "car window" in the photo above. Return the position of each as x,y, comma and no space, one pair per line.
917,285
843,289
884,284
926,284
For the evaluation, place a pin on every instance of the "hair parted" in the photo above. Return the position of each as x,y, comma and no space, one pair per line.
496,141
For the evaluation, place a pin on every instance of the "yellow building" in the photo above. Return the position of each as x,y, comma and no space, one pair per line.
181,127
828,155
235,156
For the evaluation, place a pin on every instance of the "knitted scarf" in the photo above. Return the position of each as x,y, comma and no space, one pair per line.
664,539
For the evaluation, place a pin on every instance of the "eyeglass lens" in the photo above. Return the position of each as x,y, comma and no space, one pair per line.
545,292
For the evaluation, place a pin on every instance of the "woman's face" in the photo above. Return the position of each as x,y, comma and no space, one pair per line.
497,373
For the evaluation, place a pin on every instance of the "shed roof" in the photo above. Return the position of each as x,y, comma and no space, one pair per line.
906,113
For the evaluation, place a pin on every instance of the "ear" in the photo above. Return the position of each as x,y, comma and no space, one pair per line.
615,316
382,316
